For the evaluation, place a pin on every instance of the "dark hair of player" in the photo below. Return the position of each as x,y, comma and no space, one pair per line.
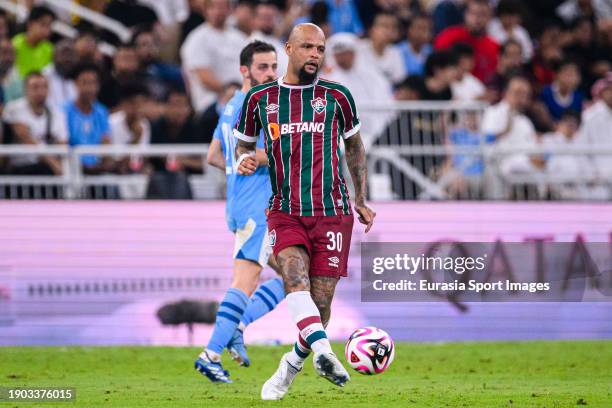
254,47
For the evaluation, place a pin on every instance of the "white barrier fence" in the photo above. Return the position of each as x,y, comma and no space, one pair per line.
74,183
492,181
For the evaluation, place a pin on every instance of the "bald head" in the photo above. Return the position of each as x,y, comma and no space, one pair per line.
306,49
305,30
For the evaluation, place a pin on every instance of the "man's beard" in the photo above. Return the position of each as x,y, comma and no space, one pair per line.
255,82
305,77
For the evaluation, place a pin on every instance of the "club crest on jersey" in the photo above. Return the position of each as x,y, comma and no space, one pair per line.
318,104
272,108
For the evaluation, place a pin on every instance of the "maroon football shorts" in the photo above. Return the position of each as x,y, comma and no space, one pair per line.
326,238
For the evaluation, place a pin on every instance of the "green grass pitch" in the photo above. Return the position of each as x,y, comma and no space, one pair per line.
491,374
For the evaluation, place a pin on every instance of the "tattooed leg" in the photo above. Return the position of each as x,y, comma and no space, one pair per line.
322,289
294,264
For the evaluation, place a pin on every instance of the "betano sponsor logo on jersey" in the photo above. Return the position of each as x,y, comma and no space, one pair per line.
277,130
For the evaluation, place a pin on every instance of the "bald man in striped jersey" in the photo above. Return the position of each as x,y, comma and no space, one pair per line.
310,220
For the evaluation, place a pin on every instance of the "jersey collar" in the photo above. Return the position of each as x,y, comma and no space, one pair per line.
281,83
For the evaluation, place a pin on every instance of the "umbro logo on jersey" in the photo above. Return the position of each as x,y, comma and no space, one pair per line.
333,261
318,104
272,108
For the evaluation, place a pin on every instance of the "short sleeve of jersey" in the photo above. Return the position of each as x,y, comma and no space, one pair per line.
248,126
348,113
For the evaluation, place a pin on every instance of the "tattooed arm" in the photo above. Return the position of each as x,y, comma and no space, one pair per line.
356,161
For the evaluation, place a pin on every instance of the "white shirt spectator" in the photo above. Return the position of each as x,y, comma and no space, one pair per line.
499,34
367,85
61,90
20,112
596,125
281,56
469,88
218,50
121,134
520,132
574,173
390,63
569,10
168,11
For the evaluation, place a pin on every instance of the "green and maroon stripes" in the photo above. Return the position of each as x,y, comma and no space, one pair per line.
304,166
306,182
295,175
284,116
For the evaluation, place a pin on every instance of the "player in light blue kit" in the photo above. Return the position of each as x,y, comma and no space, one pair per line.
247,200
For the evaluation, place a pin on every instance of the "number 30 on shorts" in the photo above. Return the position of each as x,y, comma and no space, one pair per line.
335,241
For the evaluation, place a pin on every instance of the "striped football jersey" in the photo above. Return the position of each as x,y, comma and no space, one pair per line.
302,128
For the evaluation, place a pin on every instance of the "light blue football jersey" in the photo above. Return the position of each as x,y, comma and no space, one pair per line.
247,196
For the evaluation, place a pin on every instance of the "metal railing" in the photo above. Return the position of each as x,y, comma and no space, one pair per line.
418,151
490,182
74,183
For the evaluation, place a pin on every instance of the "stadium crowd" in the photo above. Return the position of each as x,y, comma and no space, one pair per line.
544,68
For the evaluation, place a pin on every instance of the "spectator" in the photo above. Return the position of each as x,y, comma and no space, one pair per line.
440,72
510,128
543,63
209,56
379,48
33,49
194,19
129,126
242,18
86,45
130,14
577,173
466,86
158,76
448,13
177,125
11,86
207,120
366,82
343,17
417,46
563,93
267,20
33,122
124,69
587,51
59,74
510,64
88,119
463,173
5,27
570,10
473,32
409,89
507,26
596,125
